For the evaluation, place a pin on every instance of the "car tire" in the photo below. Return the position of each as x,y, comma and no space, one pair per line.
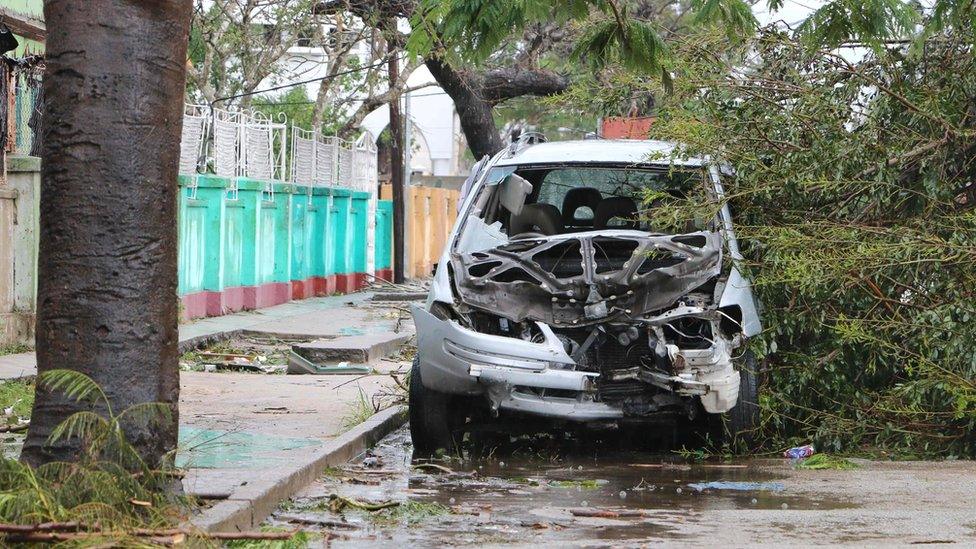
430,418
736,428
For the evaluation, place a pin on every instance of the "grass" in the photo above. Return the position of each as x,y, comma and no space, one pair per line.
19,395
359,411
299,541
15,348
826,461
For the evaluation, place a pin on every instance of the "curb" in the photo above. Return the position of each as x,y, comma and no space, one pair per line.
245,509
206,340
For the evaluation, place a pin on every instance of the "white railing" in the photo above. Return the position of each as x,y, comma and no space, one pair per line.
234,143
229,154
193,140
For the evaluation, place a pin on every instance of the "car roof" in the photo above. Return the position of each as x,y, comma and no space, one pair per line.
598,151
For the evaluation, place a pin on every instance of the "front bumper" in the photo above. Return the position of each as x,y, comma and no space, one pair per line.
456,360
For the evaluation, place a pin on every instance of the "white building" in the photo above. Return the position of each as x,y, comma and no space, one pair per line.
438,145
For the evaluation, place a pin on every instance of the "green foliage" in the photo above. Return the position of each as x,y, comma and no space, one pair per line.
826,461
299,541
15,348
854,207
868,21
110,486
633,44
409,512
477,29
735,17
480,27
18,395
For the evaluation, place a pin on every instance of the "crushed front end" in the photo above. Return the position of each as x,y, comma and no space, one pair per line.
598,325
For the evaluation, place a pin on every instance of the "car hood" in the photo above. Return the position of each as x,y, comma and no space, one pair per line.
585,278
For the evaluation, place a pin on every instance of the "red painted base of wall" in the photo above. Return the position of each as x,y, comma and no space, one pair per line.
349,282
385,275
231,300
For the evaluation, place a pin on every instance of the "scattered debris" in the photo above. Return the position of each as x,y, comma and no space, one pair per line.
476,510
372,461
609,513
317,521
15,428
298,364
800,452
433,467
54,532
337,503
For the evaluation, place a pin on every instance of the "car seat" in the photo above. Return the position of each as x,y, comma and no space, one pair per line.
619,208
536,218
575,199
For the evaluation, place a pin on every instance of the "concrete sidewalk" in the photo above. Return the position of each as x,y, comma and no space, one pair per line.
330,316
246,439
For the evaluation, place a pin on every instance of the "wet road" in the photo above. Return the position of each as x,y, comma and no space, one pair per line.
589,498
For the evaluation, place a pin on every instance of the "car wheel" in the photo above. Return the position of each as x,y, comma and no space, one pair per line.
736,428
432,418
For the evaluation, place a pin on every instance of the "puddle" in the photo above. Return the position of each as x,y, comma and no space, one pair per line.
738,486
576,499
211,449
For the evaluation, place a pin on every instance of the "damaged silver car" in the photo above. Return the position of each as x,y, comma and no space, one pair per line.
559,297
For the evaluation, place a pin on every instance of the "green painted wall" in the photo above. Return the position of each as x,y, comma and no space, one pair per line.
251,236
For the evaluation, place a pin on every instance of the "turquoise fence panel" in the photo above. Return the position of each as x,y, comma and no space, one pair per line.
318,227
235,241
282,257
300,234
267,226
213,197
360,224
341,233
247,196
384,234
193,245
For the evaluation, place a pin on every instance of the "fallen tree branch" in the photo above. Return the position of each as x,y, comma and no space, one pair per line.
69,531
338,503
607,513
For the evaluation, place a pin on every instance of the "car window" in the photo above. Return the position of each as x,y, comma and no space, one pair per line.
618,182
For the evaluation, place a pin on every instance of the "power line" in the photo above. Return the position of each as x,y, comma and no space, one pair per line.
302,82
272,103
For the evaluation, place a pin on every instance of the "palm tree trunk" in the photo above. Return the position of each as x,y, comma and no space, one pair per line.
107,306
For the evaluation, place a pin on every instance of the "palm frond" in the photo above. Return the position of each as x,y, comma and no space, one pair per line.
148,413
84,425
74,385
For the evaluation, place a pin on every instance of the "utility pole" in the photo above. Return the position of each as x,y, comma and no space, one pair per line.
396,167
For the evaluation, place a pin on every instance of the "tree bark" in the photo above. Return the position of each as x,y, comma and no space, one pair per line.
474,112
476,94
107,302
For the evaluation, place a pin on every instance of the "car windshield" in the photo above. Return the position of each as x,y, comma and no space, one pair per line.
534,201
